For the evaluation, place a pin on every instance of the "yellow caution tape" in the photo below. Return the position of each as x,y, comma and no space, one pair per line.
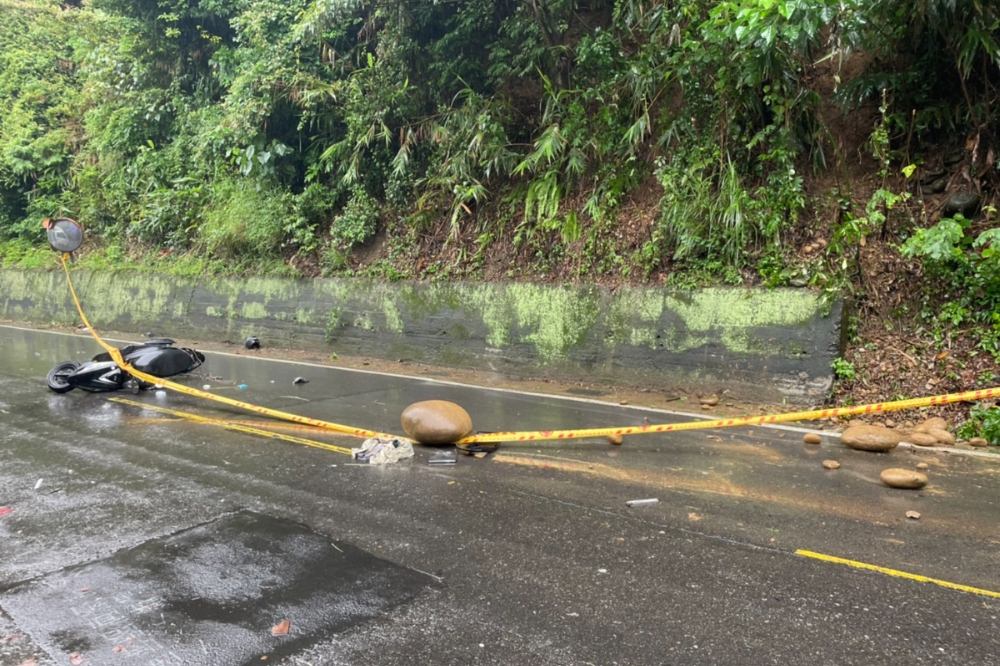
876,408
541,435
277,424
228,425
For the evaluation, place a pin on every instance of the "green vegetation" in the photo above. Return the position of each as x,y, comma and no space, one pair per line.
684,143
252,130
843,369
965,270
984,421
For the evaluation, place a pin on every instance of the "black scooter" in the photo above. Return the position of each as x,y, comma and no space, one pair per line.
155,357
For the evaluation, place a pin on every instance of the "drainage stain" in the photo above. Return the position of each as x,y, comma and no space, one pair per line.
210,594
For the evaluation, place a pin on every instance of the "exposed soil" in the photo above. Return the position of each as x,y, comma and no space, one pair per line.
895,356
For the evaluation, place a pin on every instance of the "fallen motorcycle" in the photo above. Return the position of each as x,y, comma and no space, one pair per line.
154,357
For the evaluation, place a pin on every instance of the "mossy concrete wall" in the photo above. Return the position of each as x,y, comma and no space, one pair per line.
763,344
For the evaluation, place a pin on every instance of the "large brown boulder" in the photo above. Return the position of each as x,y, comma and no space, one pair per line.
942,436
436,422
933,423
920,438
870,438
903,478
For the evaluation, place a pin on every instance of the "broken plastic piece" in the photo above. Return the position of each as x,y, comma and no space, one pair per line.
4,510
442,458
640,502
242,387
300,380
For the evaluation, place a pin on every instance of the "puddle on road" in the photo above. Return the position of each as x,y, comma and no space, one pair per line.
209,595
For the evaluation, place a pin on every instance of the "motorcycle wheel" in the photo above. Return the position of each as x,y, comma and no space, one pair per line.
57,377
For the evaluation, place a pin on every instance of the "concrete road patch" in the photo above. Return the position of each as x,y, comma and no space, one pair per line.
209,594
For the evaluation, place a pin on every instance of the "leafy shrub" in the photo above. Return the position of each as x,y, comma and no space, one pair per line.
169,215
244,219
20,253
311,208
916,48
965,270
710,210
939,245
983,421
843,369
470,146
358,221
40,101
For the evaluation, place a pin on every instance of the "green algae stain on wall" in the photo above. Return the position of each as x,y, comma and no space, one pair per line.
333,289
106,298
18,285
681,321
154,295
647,330
250,298
264,288
553,319
732,315
18,294
116,297
557,318
393,320
633,317
253,310
496,313
374,305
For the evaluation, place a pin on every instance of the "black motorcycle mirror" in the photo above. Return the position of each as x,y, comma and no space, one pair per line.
64,235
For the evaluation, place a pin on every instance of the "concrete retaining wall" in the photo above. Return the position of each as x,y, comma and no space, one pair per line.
761,344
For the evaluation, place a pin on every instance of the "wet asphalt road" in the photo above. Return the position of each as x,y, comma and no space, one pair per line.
530,556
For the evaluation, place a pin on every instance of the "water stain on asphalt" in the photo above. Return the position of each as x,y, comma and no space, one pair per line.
705,480
768,453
